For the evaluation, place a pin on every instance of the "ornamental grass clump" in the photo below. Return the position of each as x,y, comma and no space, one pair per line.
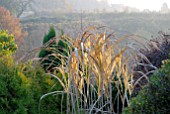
97,76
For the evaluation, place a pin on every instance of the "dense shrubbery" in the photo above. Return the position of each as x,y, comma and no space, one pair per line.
22,86
43,83
155,97
16,95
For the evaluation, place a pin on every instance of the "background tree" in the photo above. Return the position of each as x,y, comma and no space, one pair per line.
10,23
16,7
164,8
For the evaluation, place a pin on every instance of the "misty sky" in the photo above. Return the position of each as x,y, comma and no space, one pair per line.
142,4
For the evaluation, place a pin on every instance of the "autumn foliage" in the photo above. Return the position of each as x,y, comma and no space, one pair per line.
11,24
7,44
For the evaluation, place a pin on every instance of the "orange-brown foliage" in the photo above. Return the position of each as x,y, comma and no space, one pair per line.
12,24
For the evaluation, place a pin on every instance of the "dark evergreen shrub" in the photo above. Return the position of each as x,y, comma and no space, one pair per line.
55,48
47,59
51,34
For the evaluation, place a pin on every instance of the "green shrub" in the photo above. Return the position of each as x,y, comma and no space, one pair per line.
42,84
7,43
16,96
154,99
22,86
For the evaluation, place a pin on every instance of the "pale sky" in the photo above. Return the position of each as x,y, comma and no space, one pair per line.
142,4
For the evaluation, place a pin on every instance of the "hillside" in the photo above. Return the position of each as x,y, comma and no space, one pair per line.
143,24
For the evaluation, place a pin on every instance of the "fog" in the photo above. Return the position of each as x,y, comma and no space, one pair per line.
73,16
87,6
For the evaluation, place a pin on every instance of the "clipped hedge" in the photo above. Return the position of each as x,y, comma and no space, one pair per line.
155,98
